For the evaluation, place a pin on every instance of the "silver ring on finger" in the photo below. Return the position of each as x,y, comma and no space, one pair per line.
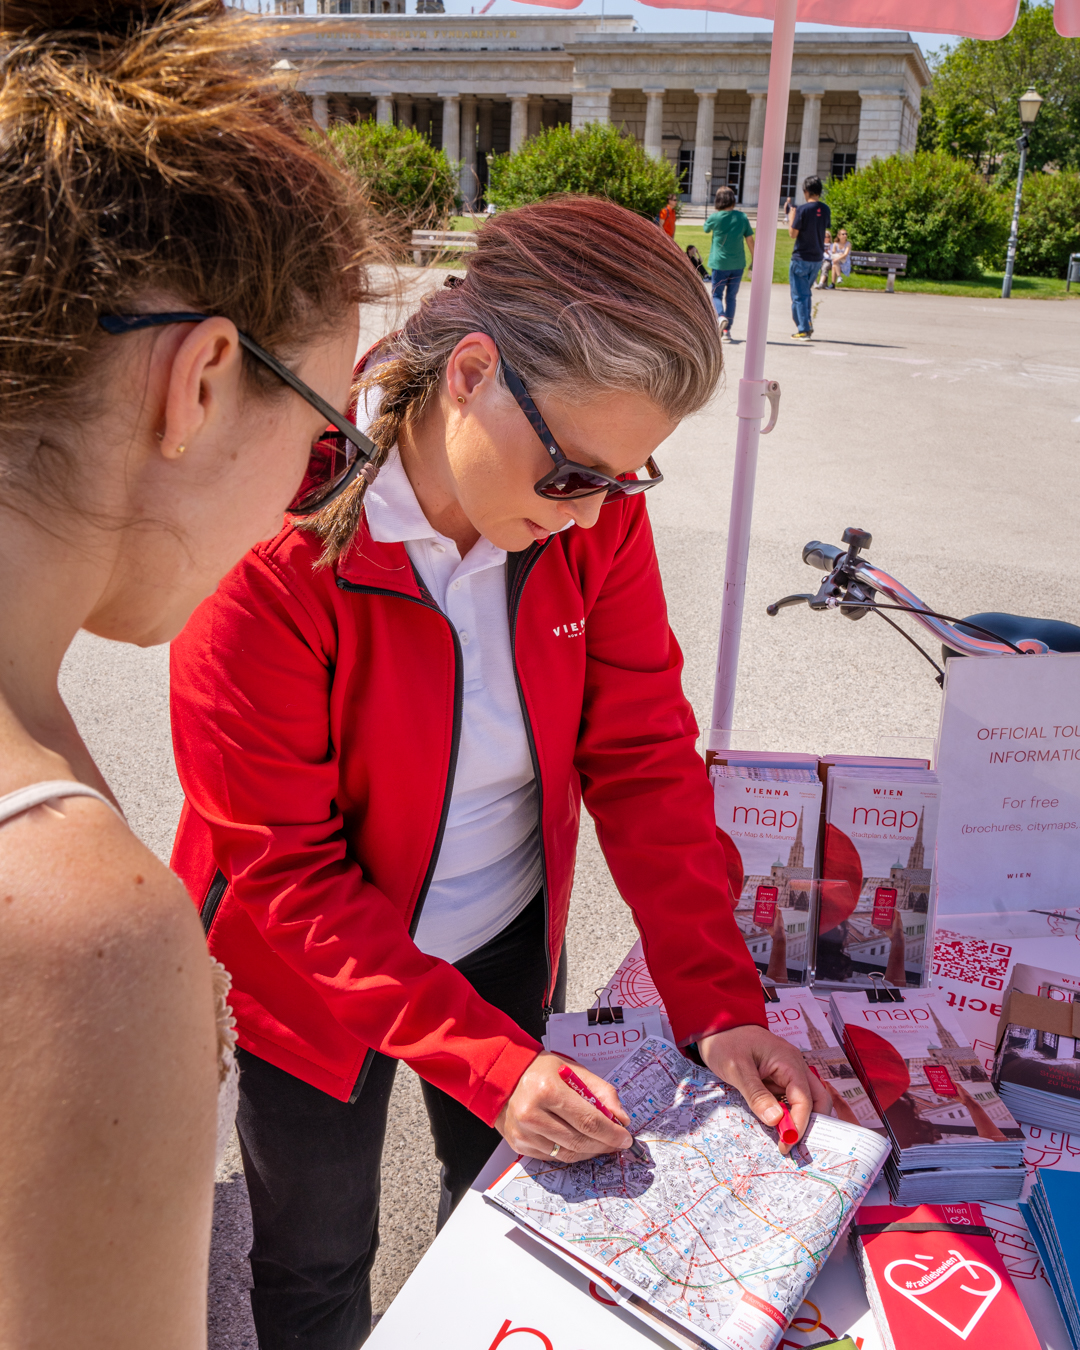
555,1150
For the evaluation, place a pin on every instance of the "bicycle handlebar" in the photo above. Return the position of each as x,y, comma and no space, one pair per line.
852,584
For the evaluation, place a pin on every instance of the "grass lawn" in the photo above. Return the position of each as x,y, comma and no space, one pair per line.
987,287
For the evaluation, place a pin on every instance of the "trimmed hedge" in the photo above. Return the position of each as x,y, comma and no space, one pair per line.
409,184
1049,224
596,160
932,207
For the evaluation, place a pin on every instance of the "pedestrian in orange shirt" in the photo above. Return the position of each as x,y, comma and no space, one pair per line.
667,217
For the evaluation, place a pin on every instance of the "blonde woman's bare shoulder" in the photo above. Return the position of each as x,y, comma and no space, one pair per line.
108,1087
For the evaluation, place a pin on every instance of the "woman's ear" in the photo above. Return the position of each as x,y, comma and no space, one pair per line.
474,360
203,381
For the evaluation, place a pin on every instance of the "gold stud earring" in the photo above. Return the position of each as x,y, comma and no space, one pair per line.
180,449
461,398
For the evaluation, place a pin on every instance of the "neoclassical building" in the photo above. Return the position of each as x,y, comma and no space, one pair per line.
479,85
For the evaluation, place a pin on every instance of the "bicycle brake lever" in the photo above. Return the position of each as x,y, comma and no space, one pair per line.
775,608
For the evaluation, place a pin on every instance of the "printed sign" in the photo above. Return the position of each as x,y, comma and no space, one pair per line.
937,1075
1009,764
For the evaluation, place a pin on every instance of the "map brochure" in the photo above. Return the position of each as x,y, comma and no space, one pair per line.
768,826
602,1046
934,1277
802,1021
1051,1213
876,874
1037,1067
942,1114
719,1233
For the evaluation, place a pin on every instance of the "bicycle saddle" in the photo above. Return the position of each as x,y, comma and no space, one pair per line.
1058,636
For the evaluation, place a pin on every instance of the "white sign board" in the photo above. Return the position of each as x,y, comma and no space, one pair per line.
1008,758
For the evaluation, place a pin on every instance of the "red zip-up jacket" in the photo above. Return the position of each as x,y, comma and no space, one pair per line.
316,716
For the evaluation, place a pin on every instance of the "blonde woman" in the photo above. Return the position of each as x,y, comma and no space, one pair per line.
142,171
385,722
841,259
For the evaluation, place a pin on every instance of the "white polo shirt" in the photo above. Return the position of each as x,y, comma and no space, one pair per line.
489,866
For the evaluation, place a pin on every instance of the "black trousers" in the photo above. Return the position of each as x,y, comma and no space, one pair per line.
312,1162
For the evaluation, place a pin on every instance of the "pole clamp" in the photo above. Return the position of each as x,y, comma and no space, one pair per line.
752,397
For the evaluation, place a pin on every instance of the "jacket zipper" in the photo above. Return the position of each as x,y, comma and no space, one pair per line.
427,602
515,586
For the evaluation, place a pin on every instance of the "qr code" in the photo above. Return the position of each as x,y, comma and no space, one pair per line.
971,960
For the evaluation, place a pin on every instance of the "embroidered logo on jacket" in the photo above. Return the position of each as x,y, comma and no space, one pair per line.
570,629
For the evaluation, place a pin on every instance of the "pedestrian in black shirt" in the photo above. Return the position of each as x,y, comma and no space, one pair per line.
806,225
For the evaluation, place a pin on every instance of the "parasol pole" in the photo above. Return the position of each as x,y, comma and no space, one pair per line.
753,386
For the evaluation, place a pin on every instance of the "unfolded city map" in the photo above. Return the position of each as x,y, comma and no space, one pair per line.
719,1232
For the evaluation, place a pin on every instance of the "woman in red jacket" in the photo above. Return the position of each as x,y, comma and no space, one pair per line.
385,721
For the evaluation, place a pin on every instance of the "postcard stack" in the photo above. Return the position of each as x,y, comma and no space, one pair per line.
1037,1068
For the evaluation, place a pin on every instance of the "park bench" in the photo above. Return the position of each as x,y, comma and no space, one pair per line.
429,243
881,262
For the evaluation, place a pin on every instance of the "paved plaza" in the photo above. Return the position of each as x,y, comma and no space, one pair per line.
948,427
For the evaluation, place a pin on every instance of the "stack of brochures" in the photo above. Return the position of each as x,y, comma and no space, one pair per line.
767,819
876,875
1037,1069
803,1022
1053,1217
717,1236
937,1267
953,1138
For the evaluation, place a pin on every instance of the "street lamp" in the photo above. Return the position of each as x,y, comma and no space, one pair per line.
708,181
1030,104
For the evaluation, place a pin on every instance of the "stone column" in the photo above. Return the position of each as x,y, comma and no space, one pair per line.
654,122
484,139
404,106
384,110
703,145
536,112
320,110
519,120
468,152
590,105
811,135
880,122
451,122
755,142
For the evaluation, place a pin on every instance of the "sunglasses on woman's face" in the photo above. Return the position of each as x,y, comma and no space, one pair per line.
567,480
336,461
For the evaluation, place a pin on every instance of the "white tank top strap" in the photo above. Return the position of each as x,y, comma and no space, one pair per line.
25,799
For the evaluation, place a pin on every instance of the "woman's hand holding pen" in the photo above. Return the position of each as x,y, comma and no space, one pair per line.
763,1067
544,1112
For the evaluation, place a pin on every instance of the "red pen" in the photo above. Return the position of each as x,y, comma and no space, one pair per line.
571,1080
786,1127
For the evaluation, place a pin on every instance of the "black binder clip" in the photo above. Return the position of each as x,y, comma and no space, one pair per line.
602,1015
886,994
769,990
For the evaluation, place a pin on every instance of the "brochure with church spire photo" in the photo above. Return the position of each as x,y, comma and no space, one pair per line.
767,820
803,1022
877,869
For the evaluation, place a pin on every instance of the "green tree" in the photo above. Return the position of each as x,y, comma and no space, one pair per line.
971,109
597,160
933,207
409,184
1049,225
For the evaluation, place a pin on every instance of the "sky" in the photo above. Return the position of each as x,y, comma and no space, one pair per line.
671,20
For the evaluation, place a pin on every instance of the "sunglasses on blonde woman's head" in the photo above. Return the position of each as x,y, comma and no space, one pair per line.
568,481
336,460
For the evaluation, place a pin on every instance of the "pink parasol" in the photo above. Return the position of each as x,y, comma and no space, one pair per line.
969,18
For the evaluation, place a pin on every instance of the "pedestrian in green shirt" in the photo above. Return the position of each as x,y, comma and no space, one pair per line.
727,258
